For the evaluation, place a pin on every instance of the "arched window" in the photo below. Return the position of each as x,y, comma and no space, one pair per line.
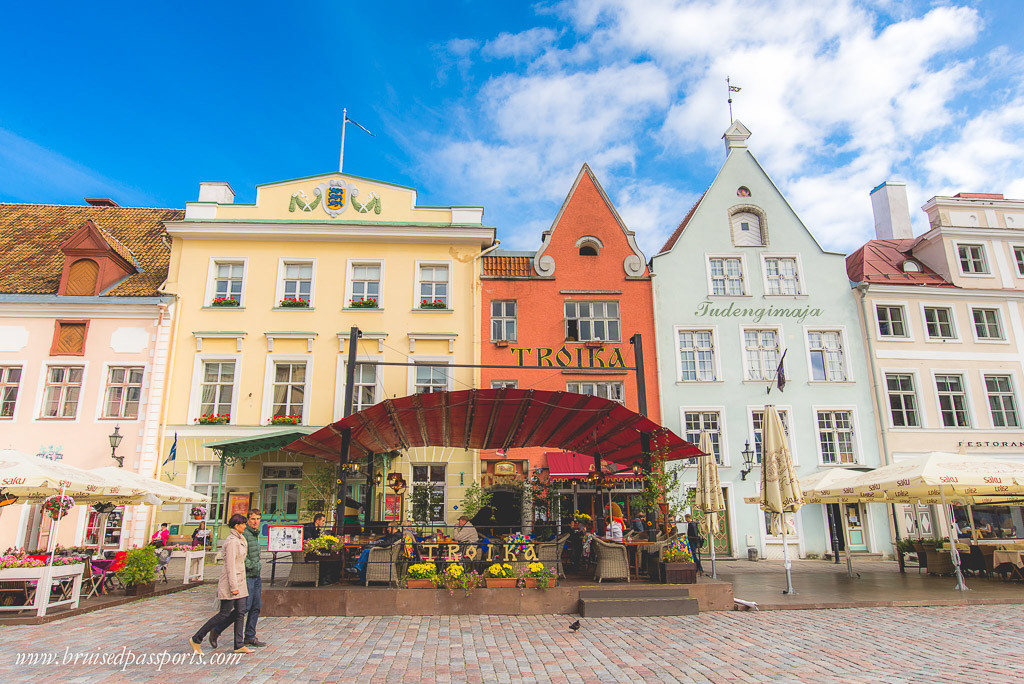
589,246
589,249
82,278
748,228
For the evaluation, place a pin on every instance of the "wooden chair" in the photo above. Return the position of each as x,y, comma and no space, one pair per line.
301,571
922,556
550,553
382,564
612,560
92,581
163,559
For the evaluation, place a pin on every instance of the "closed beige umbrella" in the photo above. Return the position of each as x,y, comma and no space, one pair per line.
709,497
780,490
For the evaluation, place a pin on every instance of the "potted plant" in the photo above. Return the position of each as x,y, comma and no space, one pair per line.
58,505
224,301
538,576
367,303
213,419
198,512
324,545
421,576
501,576
285,420
139,572
456,577
293,303
677,565
433,304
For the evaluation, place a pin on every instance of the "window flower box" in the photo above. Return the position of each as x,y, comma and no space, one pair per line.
293,303
362,303
213,419
285,420
433,304
224,302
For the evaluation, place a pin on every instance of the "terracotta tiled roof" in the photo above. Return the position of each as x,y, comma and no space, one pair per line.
31,236
517,266
671,242
881,262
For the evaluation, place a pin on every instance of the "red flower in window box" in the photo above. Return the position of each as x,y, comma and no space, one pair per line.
213,418
224,301
368,303
285,420
433,304
293,303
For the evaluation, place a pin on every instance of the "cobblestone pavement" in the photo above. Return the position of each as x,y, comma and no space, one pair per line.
949,644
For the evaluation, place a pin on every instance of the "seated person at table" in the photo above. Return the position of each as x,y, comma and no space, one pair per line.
637,523
160,537
464,532
312,530
391,535
200,535
613,530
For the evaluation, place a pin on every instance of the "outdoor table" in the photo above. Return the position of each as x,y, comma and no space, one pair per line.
633,553
1015,558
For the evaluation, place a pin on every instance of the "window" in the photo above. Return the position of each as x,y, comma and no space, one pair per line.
746,229
902,400
827,363
364,391
206,480
503,320
431,507
298,281
696,356
605,390
1001,402
972,259
82,278
289,389
500,384
762,352
891,321
228,279
434,285
726,276
63,388
952,400
366,282
69,338
835,435
124,389
431,379
938,321
10,381
782,276
217,388
695,422
1018,255
590,321
757,423
588,247
986,324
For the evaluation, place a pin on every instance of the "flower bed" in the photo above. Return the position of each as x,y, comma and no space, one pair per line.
293,303
213,418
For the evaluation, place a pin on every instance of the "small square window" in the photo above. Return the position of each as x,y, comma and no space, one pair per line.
892,321
939,322
986,324
972,259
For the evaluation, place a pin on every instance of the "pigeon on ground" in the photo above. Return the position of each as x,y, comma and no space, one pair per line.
575,626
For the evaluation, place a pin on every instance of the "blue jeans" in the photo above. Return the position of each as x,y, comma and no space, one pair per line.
252,606
361,563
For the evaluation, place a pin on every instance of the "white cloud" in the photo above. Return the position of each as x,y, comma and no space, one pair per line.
519,45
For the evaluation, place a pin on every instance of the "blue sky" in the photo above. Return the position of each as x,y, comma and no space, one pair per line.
499,104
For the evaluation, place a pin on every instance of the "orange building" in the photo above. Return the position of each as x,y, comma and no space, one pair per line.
565,314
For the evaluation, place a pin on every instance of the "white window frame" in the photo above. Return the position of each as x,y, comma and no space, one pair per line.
101,397
211,278
858,445
282,262
953,321
444,487
416,299
349,270
1018,267
196,395
41,390
722,427
620,383
1014,390
267,410
744,273
844,348
801,284
592,318
716,356
789,419
498,384
1002,339
918,399
987,273
743,351
503,318
340,377
965,378
21,387
212,516
907,323
428,361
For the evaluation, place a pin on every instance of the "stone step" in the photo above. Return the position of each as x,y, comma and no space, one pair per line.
649,591
637,607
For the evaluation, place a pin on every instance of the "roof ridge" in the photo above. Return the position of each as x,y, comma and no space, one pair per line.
85,206
671,242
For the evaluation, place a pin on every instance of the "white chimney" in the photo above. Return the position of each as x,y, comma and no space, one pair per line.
216,191
891,210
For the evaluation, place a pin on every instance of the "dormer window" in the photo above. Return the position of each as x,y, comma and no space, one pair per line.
82,278
747,225
94,261
911,266
589,246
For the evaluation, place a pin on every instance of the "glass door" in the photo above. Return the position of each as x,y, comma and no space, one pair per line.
853,515
280,502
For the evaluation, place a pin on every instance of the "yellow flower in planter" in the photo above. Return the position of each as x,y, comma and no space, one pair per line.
536,567
498,570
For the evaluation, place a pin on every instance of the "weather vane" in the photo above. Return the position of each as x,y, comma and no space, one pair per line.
731,89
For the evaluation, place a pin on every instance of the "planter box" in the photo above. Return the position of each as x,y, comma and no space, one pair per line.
420,583
41,599
678,573
191,565
140,589
501,582
534,583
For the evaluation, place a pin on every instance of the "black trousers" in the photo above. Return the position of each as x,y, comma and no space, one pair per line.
230,610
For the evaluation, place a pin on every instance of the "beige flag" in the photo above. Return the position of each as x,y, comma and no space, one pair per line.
709,489
780,489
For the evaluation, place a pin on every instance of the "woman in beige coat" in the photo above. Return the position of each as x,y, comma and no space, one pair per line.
231,589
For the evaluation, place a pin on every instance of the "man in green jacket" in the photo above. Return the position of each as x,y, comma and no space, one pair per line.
253,582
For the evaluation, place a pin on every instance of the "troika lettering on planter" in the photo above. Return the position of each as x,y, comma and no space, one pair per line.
563,357
757,314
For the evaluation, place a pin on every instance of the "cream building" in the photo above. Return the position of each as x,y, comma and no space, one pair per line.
943,318
268,293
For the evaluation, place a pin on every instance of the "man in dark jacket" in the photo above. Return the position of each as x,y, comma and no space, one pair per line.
252,581
694,540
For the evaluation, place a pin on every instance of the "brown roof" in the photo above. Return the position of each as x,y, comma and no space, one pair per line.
517,266
881,261
31,236
671,242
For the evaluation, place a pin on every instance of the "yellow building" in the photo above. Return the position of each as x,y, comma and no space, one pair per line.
268,293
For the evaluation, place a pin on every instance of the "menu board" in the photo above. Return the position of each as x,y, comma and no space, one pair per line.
284,538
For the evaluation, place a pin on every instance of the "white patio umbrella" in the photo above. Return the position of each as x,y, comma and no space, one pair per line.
780,490
32,479
709,497
829,480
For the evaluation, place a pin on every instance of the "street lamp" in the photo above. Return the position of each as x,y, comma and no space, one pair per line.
748,460
378,478
115,439
638,468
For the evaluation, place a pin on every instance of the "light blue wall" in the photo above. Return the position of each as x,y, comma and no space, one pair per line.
681,288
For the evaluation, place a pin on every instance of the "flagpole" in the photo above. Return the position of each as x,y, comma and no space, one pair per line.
341,156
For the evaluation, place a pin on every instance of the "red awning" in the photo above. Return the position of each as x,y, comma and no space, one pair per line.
565,465
499,419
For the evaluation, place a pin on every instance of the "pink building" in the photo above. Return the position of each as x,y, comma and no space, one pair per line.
84,337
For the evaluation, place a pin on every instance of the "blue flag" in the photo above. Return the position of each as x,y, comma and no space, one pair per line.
174,451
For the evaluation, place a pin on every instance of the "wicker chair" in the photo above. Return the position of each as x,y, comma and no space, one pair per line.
939,562
301,571
922,556
382,564
550,553
612,561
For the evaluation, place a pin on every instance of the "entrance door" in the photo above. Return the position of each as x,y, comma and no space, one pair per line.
280,502
723,540
917,521
853,516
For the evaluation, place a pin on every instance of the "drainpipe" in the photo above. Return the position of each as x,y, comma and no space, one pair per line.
477,322
862,289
